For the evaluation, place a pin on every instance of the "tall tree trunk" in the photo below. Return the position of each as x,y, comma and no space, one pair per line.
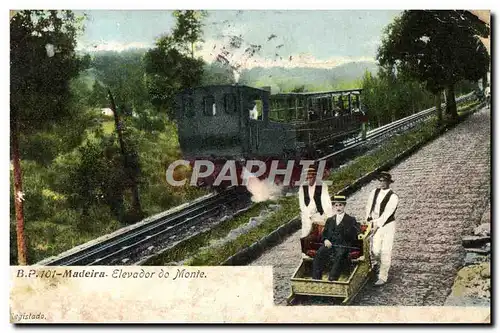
192,50
118,126
132,172
439,110
451,105
18,193
129,166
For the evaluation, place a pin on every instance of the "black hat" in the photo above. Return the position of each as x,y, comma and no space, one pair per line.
340,199
384,175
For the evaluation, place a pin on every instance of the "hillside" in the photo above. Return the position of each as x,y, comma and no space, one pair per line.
280,78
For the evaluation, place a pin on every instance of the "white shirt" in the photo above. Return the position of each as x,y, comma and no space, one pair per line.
392,204
339,218
311,209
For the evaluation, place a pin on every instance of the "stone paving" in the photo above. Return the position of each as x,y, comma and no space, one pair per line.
444,190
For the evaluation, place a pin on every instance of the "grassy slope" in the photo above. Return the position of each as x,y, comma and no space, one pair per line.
53,226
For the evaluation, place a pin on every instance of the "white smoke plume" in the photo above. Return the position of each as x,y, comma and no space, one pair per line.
261,190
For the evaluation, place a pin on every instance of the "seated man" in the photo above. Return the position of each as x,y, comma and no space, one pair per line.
339,236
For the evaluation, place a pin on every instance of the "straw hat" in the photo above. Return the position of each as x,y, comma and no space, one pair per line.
340,199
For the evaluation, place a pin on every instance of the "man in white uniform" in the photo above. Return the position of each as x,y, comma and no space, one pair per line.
315,204
380,210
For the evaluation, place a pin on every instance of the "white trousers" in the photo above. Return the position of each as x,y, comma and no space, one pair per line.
382,248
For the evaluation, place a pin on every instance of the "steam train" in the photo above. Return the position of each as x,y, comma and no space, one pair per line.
234,122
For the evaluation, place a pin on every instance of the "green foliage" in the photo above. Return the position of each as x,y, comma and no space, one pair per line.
52,223
438,48
42,65
108,126
155,154
45,88
122,73
216,73
387,97
43,61
91,176
188,29
98,97
45,144
171,66
169,71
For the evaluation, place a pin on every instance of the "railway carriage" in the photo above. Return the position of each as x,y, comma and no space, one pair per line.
356,272
234,122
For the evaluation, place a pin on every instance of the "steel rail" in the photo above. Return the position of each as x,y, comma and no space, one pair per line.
131,239
390,128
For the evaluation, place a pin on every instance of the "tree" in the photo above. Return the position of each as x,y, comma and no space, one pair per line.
123,73
44,145
188,29
97,97
130,163
42,63
170,66
388,97
217,73
438,48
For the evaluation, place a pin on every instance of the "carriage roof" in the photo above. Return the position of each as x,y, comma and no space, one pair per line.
319,94
219,87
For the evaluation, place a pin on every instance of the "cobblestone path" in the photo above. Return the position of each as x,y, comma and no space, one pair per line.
444,190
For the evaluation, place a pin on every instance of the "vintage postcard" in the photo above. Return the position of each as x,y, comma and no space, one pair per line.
250,166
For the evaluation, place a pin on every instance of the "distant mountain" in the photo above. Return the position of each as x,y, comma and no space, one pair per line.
354,70
281,78
278,78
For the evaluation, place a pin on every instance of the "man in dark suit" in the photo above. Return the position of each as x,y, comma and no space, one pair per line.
339,236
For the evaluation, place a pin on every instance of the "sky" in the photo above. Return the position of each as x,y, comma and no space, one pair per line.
290,38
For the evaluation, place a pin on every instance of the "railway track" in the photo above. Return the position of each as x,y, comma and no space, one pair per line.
391,128
124,245
137,239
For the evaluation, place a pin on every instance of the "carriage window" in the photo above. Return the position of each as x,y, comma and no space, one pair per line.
356,102
209,108
230,103
188,107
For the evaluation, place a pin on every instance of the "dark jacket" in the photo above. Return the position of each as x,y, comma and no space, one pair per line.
346,233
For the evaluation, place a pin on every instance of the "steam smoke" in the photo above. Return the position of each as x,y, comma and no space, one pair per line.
262,190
